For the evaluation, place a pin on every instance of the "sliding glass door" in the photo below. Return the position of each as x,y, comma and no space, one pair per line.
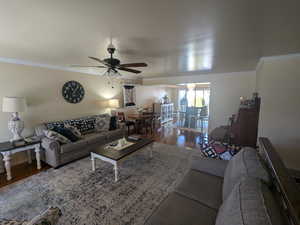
193,101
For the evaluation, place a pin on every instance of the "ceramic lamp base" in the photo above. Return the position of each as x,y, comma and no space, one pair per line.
16,126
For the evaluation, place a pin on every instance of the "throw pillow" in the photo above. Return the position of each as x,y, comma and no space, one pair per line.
56,136
223,150
244,164
113,123
66,133
51,125
209,151
49,217
12,222
250,202
219,148
74,130
102,124
225,156
85,124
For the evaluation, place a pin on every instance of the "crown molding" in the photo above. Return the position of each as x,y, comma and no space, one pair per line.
53,67
274,57
42,65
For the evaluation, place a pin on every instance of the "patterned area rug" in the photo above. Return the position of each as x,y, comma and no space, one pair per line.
93,198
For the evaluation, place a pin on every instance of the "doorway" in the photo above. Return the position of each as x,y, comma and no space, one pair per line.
193,106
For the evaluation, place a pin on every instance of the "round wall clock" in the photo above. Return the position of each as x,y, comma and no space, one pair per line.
73,92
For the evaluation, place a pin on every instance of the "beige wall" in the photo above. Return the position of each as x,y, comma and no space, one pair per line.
42,89
225,91
279,86
147,95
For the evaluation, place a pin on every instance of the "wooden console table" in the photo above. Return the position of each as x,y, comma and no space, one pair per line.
7,149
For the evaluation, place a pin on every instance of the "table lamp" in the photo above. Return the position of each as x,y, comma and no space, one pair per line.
14,105
113,103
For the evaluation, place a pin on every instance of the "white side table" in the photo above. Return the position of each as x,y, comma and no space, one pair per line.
7,149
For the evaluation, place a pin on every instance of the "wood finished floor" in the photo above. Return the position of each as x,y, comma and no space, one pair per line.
22,171
167,134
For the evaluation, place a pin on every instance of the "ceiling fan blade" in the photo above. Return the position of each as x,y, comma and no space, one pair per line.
88,66
98,60
129,70
134,65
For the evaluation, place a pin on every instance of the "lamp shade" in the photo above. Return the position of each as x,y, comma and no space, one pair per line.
113,103
13,104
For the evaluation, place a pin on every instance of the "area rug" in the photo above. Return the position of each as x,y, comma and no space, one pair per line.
93,198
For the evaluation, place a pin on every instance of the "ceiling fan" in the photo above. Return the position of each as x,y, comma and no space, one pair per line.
113,65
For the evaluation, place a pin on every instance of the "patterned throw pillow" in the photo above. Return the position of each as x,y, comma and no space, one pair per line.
52,125
209,151
74,130
84,124
66,133
221,150
102,124
56,136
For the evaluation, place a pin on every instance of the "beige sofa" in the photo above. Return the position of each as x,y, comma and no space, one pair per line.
57,154
235,192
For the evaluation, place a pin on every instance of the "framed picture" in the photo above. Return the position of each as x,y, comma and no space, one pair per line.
129,95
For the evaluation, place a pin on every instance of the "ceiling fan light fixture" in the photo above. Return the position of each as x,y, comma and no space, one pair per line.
111,49
110,46
112,73
113,64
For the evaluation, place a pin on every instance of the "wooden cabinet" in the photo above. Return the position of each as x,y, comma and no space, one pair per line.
244,127
165,111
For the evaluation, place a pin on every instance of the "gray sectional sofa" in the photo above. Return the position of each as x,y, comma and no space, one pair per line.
57,154
235,192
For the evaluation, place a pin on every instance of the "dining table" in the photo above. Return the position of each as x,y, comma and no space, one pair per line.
138,116
139,119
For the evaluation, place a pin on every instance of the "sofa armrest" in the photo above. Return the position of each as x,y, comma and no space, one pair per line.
50,216
50,144
52,151
211,166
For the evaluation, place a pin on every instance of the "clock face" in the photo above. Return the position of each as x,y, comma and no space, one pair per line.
73,92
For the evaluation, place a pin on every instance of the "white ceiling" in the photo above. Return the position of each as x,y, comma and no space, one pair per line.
173,36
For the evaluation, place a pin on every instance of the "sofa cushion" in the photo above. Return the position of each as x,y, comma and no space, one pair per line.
73,146
244,164
93,138
179,210
211,166
202,187
250,203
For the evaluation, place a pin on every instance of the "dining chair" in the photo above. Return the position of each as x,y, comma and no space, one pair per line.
128,123
149,123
